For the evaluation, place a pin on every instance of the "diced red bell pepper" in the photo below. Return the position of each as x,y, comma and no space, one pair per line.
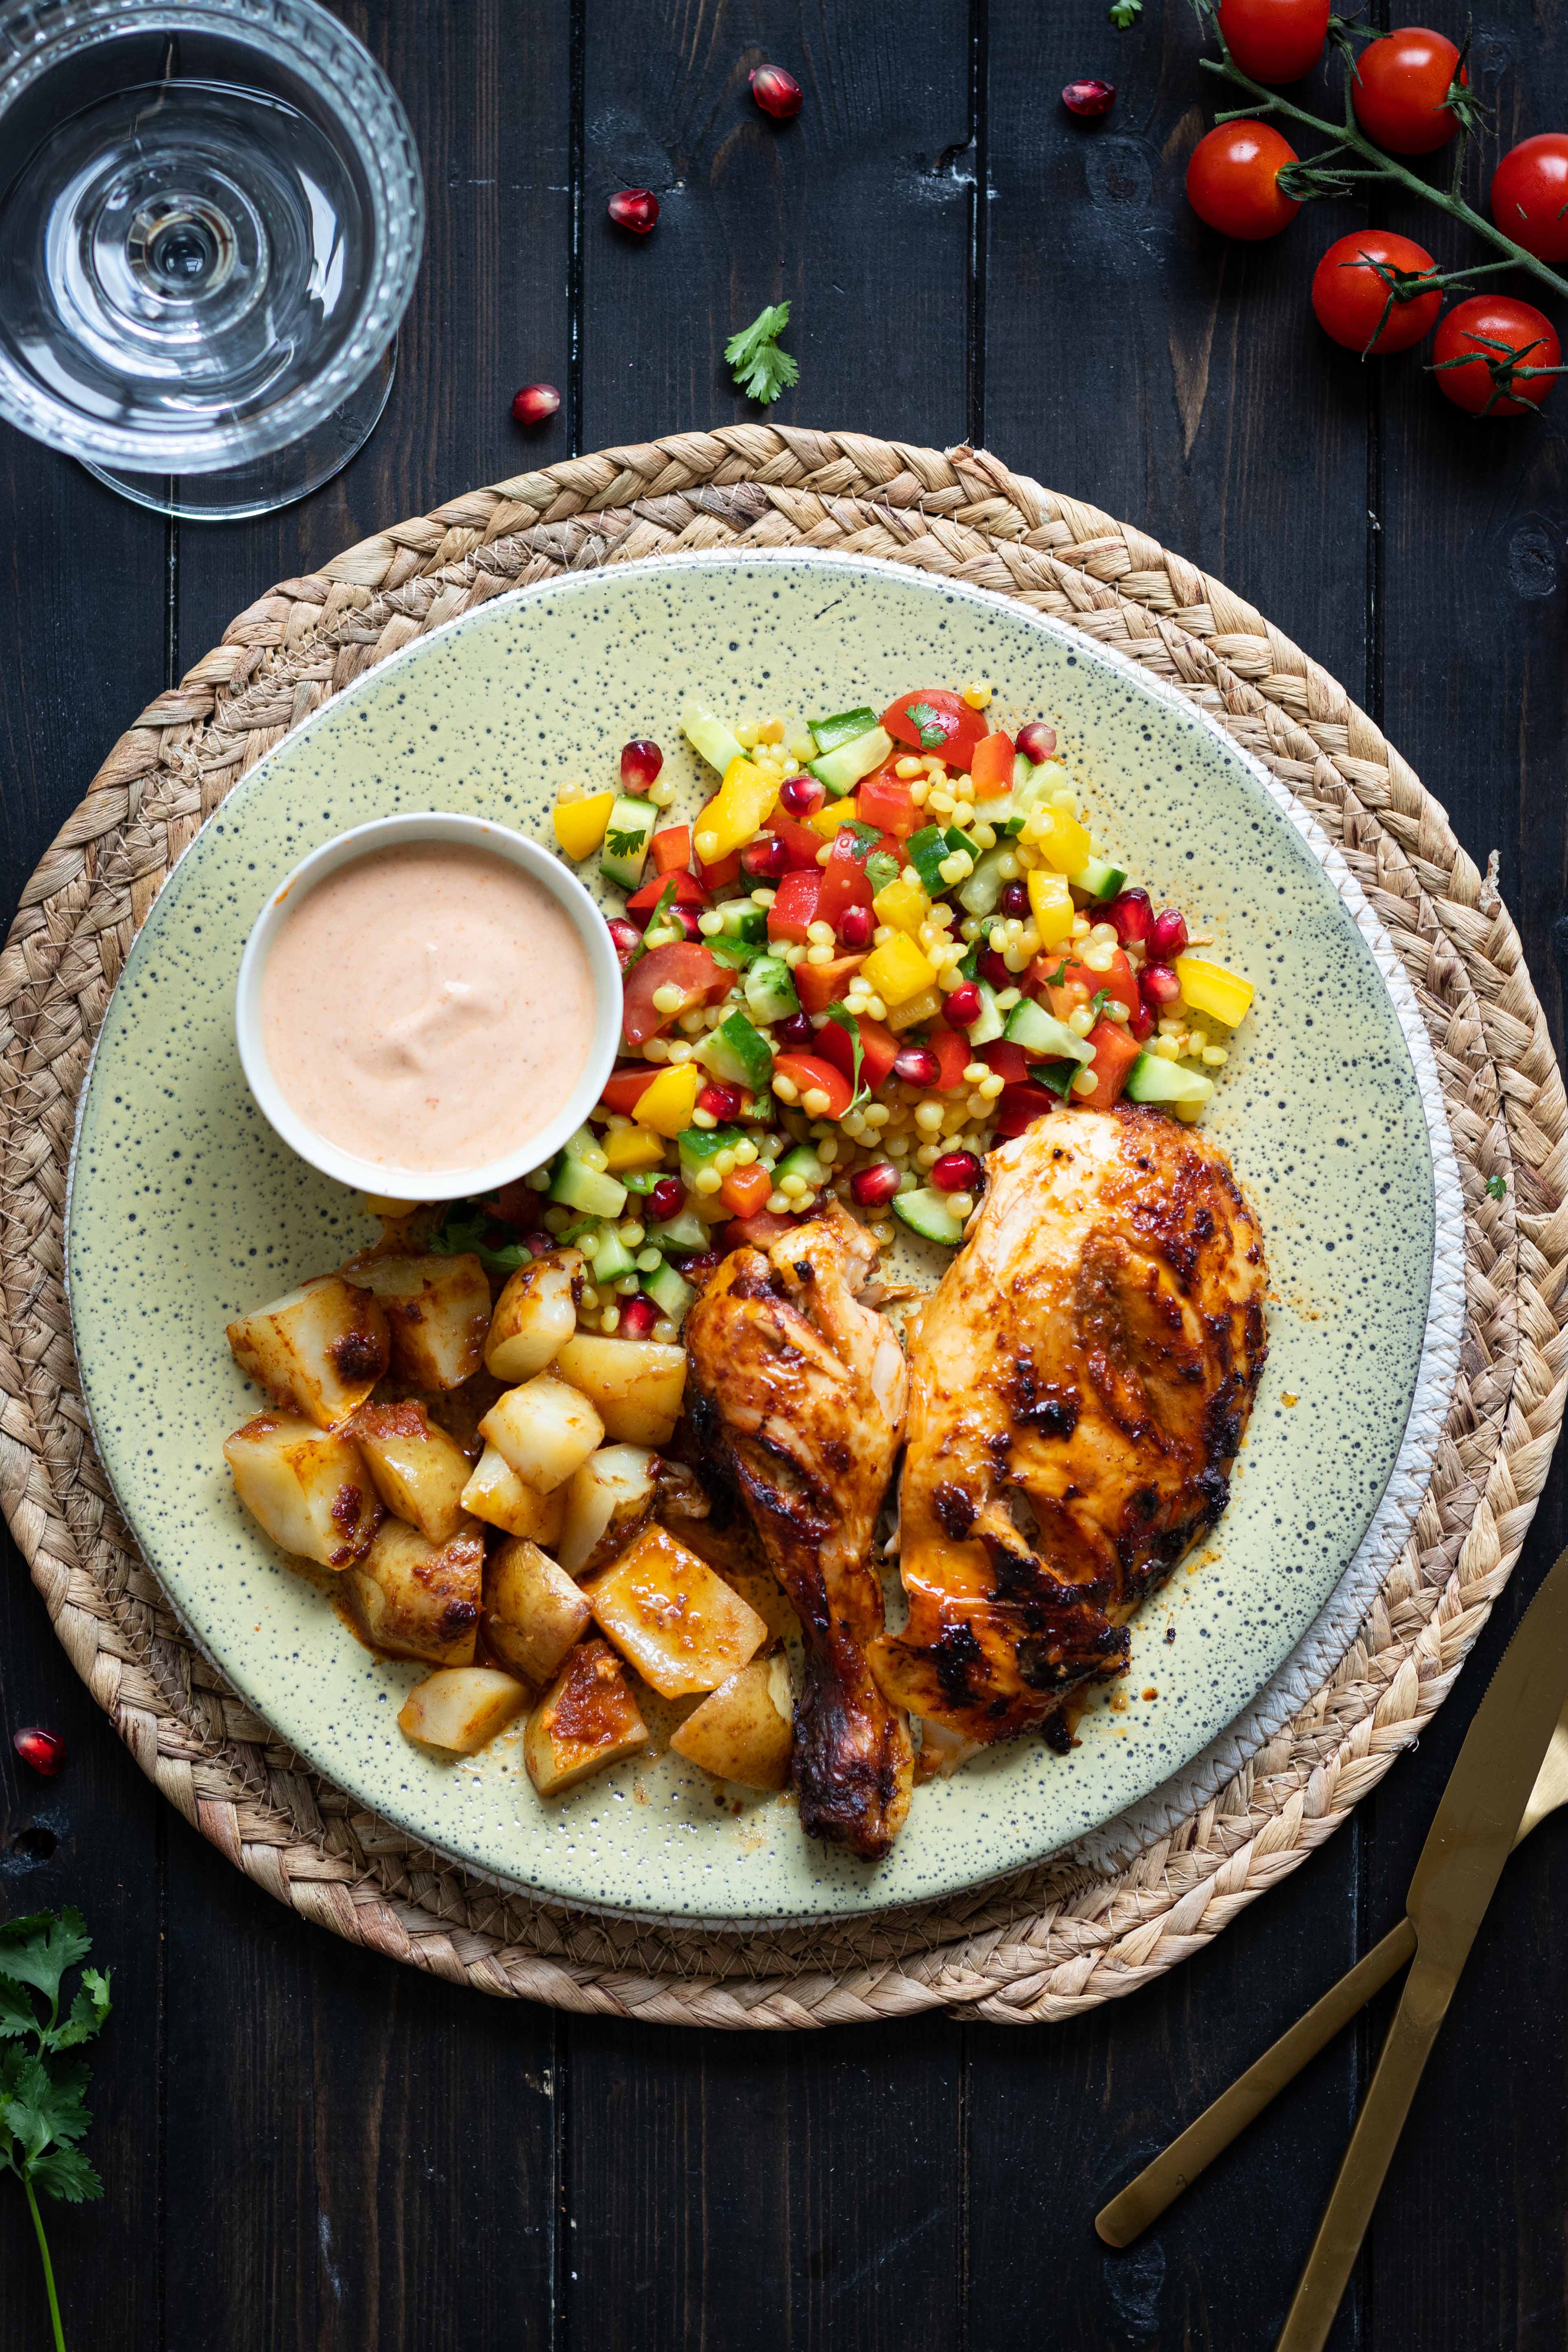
934,719
1009,1061
884,800
685,965
807,1071
844,882
1114,1055
1118,981
819,985
991,766
953,1057
878,1048
671,848
1019,1107
795,905
745,1191
758,1232
624,1089
688,892
802,843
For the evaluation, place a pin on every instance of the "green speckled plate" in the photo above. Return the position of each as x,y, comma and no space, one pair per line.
185,1208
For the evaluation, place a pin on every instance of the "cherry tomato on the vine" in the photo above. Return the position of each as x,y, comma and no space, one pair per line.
1530,195
1493,355
1275,40
1400,90
1366,291
1233,179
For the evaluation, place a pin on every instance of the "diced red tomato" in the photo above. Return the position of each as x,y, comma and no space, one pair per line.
819,985
760,1232
801,842
745,1191
1114,1055
1009,1061
688,892
795,905
1019,1107
934,719
953,1057
684,965
884,800
991,766
624,1088
878,1048
1119,981
807,1071
671,848
844,883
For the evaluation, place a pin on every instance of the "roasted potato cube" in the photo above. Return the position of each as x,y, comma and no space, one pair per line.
533,1612
309,1487
681,1625
635,1385
497,1495
437,1311
419,1471
587,1719
320,1349
461,1708
609,1494
534,1315
742,1730
420,1600
544,1429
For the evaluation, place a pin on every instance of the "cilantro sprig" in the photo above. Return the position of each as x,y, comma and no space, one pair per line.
41,2113
462,1231
760,368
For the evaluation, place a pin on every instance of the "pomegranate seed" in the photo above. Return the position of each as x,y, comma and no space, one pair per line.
958,1172
640,763
540,1245
802,796
1159,984
1142,1024
962,1007
1089,97
44,1750
1167,937
765,860
536,404
721,1102
667,1200
855,925
794,1031
1132,916
639,1316
1036,741
990,966
634,208
1015,899
627,939
776,92
917,1065
874,1187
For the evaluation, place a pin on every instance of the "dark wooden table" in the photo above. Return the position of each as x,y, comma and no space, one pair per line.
306,2146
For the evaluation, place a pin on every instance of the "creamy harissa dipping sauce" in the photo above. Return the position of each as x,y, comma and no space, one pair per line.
428,1007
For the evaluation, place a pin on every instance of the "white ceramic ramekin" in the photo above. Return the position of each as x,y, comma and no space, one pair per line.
387,1178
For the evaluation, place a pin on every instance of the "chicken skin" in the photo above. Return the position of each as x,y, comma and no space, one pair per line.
799,1407
1080,1382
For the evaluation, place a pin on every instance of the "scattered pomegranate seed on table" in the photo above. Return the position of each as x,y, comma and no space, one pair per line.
801,795
873,1188
536,404
667,1200
634,208
640,763
1088,96
1036,741
917,1065
44,1750
1167,937
776,92
963,1006
958,1172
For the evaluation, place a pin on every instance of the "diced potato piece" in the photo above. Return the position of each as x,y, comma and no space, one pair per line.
534,1313
497,1495
587,1719
419,1471
742,1730
420,1600
437,1311
636,1385
613,1489
533,1612
321,1348
544,1429
461,1708
309,1487
681,1625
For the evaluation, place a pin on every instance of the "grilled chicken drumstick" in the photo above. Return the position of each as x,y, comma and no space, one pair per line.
1080,1382
799,1401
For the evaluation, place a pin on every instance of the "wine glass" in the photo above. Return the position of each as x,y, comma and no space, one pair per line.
211,217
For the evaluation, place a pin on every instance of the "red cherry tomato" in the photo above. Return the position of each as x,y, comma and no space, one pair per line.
1233,179
1492,353
1530,195
934,719
685,966
1400,90
811,1075
1275,40
1363,292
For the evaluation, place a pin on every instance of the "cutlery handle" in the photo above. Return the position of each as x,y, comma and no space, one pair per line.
1175,2167
1421,2006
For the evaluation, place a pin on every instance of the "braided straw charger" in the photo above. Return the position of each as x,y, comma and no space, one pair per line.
1049,1942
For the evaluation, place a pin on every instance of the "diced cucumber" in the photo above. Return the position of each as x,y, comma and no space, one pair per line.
670,1291
802,1161
995,812
988,1028
1153,1079
1039,785
709,736
611,1260
842,770
1023,769
699,1146
733,954
743,921
686,1231
926,1213
591,1189
770,990
641,1180
1058,1075
827,734
627,837
925,851
979,895
1098,879
736,1054
1040,1032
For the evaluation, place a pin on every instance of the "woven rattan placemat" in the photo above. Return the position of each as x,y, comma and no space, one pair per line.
1060,1939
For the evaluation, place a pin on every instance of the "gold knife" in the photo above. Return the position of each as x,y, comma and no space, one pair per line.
1177,2166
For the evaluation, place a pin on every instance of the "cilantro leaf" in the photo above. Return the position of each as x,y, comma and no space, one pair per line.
659,904
935,725
1496,1185
42,2109
38,1949
1097,1002
847,1020
1125,12
864,837
760,368
65,2173
1055,978
625,843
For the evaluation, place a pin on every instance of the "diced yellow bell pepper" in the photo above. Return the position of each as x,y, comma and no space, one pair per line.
831,817
667,1106
916,1013
1050,904
904,906
1061,841
381,1204
626,1148
580,826
897,970
1209,988
745,800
